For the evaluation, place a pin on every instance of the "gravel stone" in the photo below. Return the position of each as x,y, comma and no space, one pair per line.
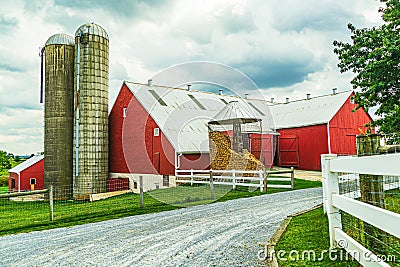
220,234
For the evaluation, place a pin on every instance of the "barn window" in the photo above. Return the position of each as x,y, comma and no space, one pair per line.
135,185
166,180
156,131
197,102
157,97
33,181
12,183
259,111
124,112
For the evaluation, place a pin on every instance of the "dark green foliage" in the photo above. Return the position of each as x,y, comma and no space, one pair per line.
5,162
374,56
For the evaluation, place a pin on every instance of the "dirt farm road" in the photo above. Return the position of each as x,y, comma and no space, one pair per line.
221,234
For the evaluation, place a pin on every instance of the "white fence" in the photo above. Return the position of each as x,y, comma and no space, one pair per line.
235,178
334,202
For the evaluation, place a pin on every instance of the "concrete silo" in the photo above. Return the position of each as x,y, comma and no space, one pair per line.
91,111
58,56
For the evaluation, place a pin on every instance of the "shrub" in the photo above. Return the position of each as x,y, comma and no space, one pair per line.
3,180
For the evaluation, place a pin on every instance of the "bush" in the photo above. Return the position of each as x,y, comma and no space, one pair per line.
3,180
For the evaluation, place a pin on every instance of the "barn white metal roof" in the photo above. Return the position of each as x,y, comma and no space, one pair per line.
313,111
183,115
26,164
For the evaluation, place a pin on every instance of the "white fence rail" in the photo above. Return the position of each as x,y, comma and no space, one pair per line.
235,178
334,202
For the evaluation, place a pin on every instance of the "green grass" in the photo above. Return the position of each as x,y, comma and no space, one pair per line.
3,189
17,217
310,232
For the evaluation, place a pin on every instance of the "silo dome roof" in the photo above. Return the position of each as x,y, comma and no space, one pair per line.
60,38
92,28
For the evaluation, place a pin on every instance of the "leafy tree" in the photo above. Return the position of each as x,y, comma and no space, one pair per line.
4,161
374,56
17,159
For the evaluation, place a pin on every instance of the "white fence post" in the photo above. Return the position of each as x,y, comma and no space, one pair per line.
191,177
331,186
292,178
233,179
261,176
51,201
325,157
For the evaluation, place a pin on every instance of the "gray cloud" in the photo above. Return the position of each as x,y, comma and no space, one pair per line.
7,23
323,15
279,73
284,46
11,68
126,8
236,23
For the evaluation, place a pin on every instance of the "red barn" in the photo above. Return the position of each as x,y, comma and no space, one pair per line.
315,126
156,129
29,175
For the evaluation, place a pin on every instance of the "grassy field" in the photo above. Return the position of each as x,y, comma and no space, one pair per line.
3,189
29,216
310,232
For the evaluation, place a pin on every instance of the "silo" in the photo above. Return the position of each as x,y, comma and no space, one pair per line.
91,111
58,55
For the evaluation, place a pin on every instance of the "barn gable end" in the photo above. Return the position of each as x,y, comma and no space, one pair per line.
32,168
320,125
134,147
345,125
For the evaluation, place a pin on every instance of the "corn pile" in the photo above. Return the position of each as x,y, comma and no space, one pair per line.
220,147
224,158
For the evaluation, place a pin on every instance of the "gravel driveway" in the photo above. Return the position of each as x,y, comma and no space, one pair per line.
221,234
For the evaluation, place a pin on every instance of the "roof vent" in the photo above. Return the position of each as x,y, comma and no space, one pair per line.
188,87
149,82
334,91
246,95
220,91
272,100
308,96
287,100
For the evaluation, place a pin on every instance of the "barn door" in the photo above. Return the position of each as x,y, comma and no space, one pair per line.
262,148
288,151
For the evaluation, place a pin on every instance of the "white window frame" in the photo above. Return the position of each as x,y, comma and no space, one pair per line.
32,179
156,132
124,111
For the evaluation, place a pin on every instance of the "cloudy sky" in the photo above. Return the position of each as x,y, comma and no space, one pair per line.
284,46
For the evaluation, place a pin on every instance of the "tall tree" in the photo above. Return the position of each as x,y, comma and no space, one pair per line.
4,161
374,56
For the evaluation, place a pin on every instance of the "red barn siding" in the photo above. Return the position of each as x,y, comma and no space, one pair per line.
159,149
312,141
117,161
133,146
34,171
195,162
15,177
263,149
344,127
